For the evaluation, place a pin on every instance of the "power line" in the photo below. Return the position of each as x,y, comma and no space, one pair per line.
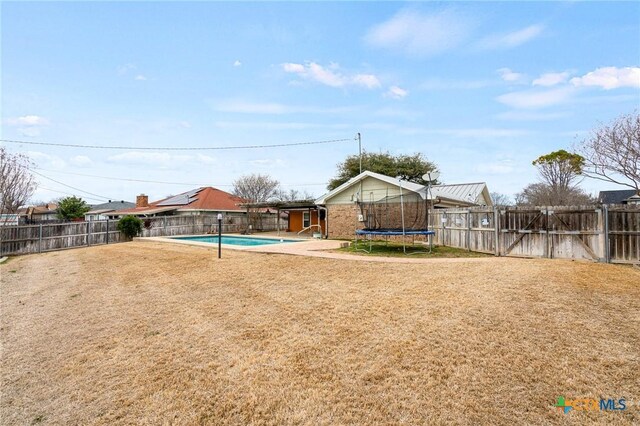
148,148
163,182
66,193
72,187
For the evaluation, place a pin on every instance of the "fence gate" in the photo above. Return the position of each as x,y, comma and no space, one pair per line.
553,233
524,232
575,234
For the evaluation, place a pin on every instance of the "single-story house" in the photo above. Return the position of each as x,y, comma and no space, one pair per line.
36,214
621,196
101,211
201,201
353,204
373,197
205,201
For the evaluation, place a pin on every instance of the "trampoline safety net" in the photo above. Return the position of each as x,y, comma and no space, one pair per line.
386,215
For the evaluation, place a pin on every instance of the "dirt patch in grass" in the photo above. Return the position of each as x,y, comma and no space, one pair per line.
417,251
165,334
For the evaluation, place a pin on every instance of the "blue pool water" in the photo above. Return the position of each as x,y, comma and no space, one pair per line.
237,241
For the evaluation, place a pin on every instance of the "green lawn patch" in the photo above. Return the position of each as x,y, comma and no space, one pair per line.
394,249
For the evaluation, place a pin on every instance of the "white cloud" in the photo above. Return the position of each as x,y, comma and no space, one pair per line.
369,81
536,99
46,161
267,162
81,161
293,68
324,76
551,79
417,34
510,76
396,92
330,76
140,77
27,120
237,63
610,78
512,39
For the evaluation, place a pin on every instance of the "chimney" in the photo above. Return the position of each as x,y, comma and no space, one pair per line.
142,201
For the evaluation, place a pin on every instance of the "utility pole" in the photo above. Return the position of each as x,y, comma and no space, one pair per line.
359,149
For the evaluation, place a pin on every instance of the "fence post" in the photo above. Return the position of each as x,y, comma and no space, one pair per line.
547,249
468,230
40,239
607,251
107,239
496,223
88,232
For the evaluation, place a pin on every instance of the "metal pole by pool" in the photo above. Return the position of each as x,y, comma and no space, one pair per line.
404,243
219,235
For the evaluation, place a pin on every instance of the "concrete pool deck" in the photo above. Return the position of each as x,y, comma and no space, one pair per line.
317,248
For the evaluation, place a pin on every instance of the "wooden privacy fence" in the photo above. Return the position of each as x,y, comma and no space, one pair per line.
48,237
44,237
604,234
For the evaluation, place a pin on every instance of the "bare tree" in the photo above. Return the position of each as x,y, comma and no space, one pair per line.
500,199
256,188
542,194
17,184
294,195
559,173
612,152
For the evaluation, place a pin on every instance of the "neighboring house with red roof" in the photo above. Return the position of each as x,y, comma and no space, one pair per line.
201,201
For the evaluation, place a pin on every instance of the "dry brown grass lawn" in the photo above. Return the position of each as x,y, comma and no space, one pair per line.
149,333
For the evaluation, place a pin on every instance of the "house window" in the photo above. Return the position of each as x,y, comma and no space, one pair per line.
306,220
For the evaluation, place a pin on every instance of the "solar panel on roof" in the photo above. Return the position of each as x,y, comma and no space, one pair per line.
181,200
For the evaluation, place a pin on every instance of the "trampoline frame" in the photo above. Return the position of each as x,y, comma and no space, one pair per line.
389,232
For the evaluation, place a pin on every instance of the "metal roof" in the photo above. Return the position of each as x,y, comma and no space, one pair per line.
466,192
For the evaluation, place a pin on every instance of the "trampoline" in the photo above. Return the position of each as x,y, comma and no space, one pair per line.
395,215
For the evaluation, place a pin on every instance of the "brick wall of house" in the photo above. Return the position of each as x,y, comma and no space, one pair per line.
343,220
343,217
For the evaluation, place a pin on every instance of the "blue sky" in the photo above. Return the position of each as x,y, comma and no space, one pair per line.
481,89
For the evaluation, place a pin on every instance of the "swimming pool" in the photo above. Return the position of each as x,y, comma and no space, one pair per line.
236,240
